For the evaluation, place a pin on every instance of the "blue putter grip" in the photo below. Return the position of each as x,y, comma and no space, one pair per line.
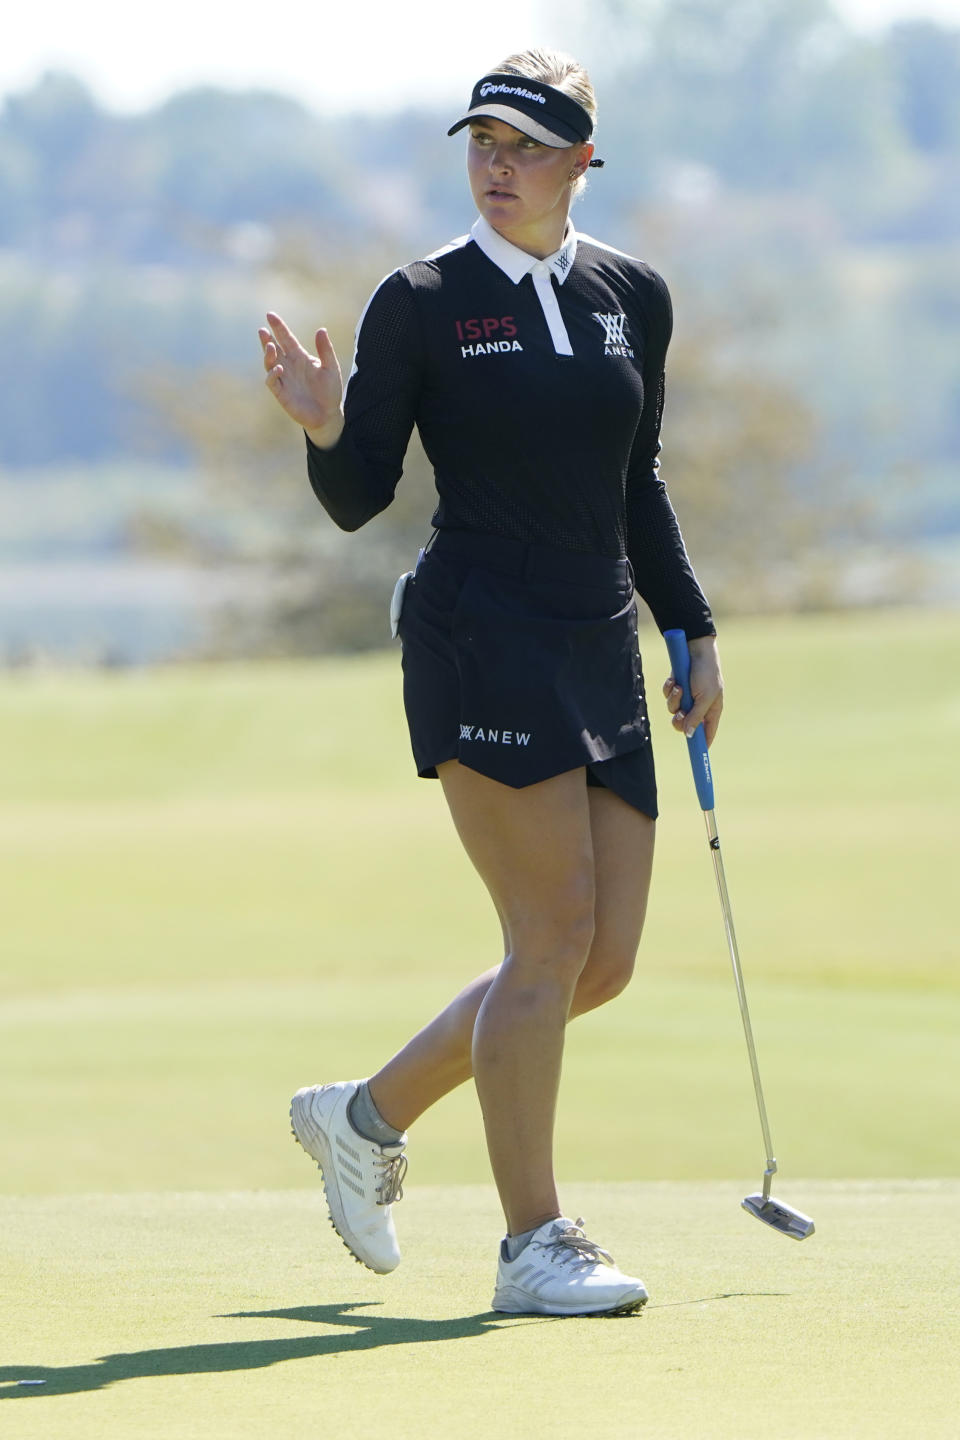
679,652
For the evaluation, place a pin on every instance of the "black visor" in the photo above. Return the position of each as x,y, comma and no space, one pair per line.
541,111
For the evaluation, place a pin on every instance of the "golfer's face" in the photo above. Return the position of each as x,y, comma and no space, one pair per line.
516,181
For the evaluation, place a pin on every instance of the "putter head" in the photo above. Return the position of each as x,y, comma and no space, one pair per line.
782,1217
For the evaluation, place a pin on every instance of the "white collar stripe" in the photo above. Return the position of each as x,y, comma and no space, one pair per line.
551,312
516,263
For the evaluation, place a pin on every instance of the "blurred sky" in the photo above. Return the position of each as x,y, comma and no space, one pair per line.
369,55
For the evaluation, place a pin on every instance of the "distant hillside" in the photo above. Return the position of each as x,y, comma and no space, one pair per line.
798,185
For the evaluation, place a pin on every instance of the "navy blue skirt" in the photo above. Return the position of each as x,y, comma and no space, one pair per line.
522,662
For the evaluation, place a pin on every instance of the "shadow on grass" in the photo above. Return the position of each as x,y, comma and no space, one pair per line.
727,1295
374,1331
367,1332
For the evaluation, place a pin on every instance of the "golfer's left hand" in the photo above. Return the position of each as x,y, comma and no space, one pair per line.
706,690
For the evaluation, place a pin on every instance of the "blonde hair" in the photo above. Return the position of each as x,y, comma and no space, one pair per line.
554,67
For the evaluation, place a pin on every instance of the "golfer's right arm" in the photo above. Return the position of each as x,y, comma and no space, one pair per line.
355,442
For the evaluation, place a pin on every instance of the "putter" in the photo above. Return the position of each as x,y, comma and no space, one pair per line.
762,1205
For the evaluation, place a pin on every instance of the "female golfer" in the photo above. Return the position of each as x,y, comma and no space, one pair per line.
531,360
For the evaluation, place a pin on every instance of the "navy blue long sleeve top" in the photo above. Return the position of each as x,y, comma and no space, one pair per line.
537,388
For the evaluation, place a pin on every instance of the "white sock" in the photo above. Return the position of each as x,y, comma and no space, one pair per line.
367,1120
514,1245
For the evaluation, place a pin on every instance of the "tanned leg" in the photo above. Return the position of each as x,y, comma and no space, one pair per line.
438,1058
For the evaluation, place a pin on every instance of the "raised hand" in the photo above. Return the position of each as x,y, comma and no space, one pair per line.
310,390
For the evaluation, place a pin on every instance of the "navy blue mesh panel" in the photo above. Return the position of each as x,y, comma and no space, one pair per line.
525,443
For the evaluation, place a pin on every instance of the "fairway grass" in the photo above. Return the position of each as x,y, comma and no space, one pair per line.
258,820
235,1315
186,1086
221,883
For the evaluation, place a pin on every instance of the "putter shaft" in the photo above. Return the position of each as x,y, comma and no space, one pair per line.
773,1212
714,839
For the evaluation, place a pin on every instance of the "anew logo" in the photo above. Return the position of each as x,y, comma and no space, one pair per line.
614,340
484,331
495,737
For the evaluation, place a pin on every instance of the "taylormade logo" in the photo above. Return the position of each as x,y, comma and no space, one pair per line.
489,89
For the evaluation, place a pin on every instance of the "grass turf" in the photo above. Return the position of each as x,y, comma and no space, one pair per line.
222,883
858,1083
227,882
265,820
240,1315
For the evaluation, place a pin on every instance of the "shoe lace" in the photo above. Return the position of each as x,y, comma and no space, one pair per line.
390,1184
573,1245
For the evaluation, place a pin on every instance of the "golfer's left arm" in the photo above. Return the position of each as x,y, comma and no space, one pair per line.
661,566
706,690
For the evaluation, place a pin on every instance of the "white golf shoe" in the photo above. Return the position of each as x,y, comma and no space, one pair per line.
361,1178
561,1272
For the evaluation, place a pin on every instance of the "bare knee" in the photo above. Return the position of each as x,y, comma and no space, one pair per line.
555,938
606,975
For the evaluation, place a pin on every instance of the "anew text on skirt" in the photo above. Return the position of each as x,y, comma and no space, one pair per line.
522,662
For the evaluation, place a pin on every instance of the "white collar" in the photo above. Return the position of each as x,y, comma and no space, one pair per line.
515,263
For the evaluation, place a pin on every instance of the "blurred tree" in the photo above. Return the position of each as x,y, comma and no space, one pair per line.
763,515
767,93
54,123
819,166
741,459
313,588
925,62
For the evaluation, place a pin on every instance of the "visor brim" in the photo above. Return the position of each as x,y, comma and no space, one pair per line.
560,138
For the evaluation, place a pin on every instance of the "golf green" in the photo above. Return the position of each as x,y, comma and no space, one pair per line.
221,883
213,1316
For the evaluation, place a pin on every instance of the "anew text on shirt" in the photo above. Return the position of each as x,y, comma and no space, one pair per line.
615,341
